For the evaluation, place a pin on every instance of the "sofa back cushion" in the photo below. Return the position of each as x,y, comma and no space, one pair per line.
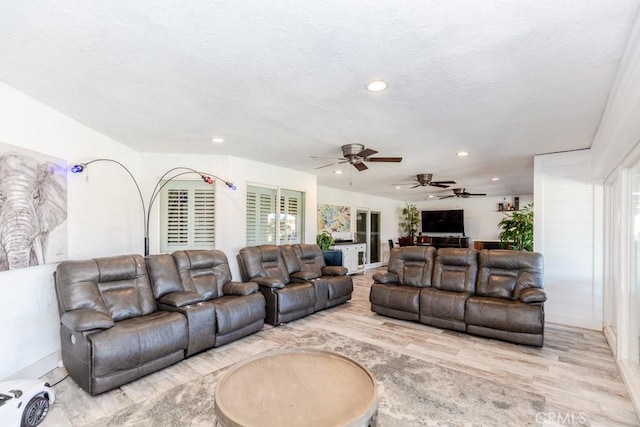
505,273
310,259
203,271
413,265
455,270
116,286
264,261
163,275
290,258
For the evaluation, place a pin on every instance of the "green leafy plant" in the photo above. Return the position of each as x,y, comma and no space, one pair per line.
409,220
517,230
324,240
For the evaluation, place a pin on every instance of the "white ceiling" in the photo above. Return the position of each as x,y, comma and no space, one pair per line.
283,80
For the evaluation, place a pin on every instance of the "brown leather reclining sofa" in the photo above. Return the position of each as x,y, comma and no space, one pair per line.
294,280
126,316
492,293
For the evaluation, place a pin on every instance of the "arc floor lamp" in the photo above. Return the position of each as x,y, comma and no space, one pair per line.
164,179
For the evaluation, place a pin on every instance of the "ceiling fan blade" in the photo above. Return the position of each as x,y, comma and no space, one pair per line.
475,194
366,152
332,164
384,159
417,185
443,182
435,184
447,197
360,166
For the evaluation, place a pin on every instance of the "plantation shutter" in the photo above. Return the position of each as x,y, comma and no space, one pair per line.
187,219
267,215
261,215
291,217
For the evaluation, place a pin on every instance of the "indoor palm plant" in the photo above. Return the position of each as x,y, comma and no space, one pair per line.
517,229
409,221
324,240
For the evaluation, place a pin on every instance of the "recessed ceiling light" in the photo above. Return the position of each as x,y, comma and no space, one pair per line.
462,153
397,187
217,140
338,172
430,196
495,178
377,86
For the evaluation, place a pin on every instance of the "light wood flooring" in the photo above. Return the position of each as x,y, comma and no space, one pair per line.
574,371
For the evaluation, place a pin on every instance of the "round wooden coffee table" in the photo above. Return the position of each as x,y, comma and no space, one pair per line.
297,388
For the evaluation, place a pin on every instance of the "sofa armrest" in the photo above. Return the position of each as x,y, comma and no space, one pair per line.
240,288
85,320
385,278
532,295
180,299
268,282
303,276
334,270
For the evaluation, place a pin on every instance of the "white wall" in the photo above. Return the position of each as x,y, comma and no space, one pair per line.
481,216
389,212
29,329
566,206
230,204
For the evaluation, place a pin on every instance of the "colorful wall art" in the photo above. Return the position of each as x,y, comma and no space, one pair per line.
333,218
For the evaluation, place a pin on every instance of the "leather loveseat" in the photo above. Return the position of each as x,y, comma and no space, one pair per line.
294,280
126,316
493,293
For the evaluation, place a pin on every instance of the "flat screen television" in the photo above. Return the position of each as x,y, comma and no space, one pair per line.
449,221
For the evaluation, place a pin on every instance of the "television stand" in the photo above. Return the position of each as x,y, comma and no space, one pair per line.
444,242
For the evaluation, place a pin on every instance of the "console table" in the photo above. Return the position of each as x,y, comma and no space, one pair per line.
444,242
353,256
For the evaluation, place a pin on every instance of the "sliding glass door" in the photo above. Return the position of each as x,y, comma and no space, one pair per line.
368,231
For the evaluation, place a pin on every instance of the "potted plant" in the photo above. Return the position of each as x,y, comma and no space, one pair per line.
517,229
409,221
324,240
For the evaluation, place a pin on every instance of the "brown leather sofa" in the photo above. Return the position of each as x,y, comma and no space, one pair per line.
294,280
111,330
235,309
124,317
493,293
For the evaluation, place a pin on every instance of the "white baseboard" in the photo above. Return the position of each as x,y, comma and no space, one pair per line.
612,340
630,371
37,369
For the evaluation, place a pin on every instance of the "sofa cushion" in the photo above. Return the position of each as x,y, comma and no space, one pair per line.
455,270
505,273
264,261
163,274
412,264
235,312
504,315
203,271
443,304
401,298
296,296
117,286
136,341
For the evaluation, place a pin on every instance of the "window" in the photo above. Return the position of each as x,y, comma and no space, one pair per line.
187,219
262,211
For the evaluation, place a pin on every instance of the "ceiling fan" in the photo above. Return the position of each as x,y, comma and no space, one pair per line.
424,180
356,155
460,192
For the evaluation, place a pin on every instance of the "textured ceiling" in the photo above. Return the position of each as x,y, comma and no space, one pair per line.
282,80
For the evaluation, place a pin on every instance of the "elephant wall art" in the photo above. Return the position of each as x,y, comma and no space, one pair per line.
33,203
